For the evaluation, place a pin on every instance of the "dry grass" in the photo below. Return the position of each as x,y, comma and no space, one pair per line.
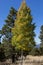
30,60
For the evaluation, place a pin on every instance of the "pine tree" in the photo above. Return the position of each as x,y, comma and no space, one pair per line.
6,32
41,35
41,38
9,23
23,31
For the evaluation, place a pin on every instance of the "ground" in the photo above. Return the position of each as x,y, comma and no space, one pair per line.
29,60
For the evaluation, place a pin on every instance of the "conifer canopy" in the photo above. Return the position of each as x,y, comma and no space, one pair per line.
23,31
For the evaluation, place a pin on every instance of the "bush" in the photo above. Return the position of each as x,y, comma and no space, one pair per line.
35,52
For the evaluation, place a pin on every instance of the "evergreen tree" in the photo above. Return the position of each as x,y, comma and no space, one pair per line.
7,34
9,23
41,38
41,35
23,31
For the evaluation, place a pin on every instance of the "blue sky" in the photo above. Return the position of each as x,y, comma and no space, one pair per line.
36,7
